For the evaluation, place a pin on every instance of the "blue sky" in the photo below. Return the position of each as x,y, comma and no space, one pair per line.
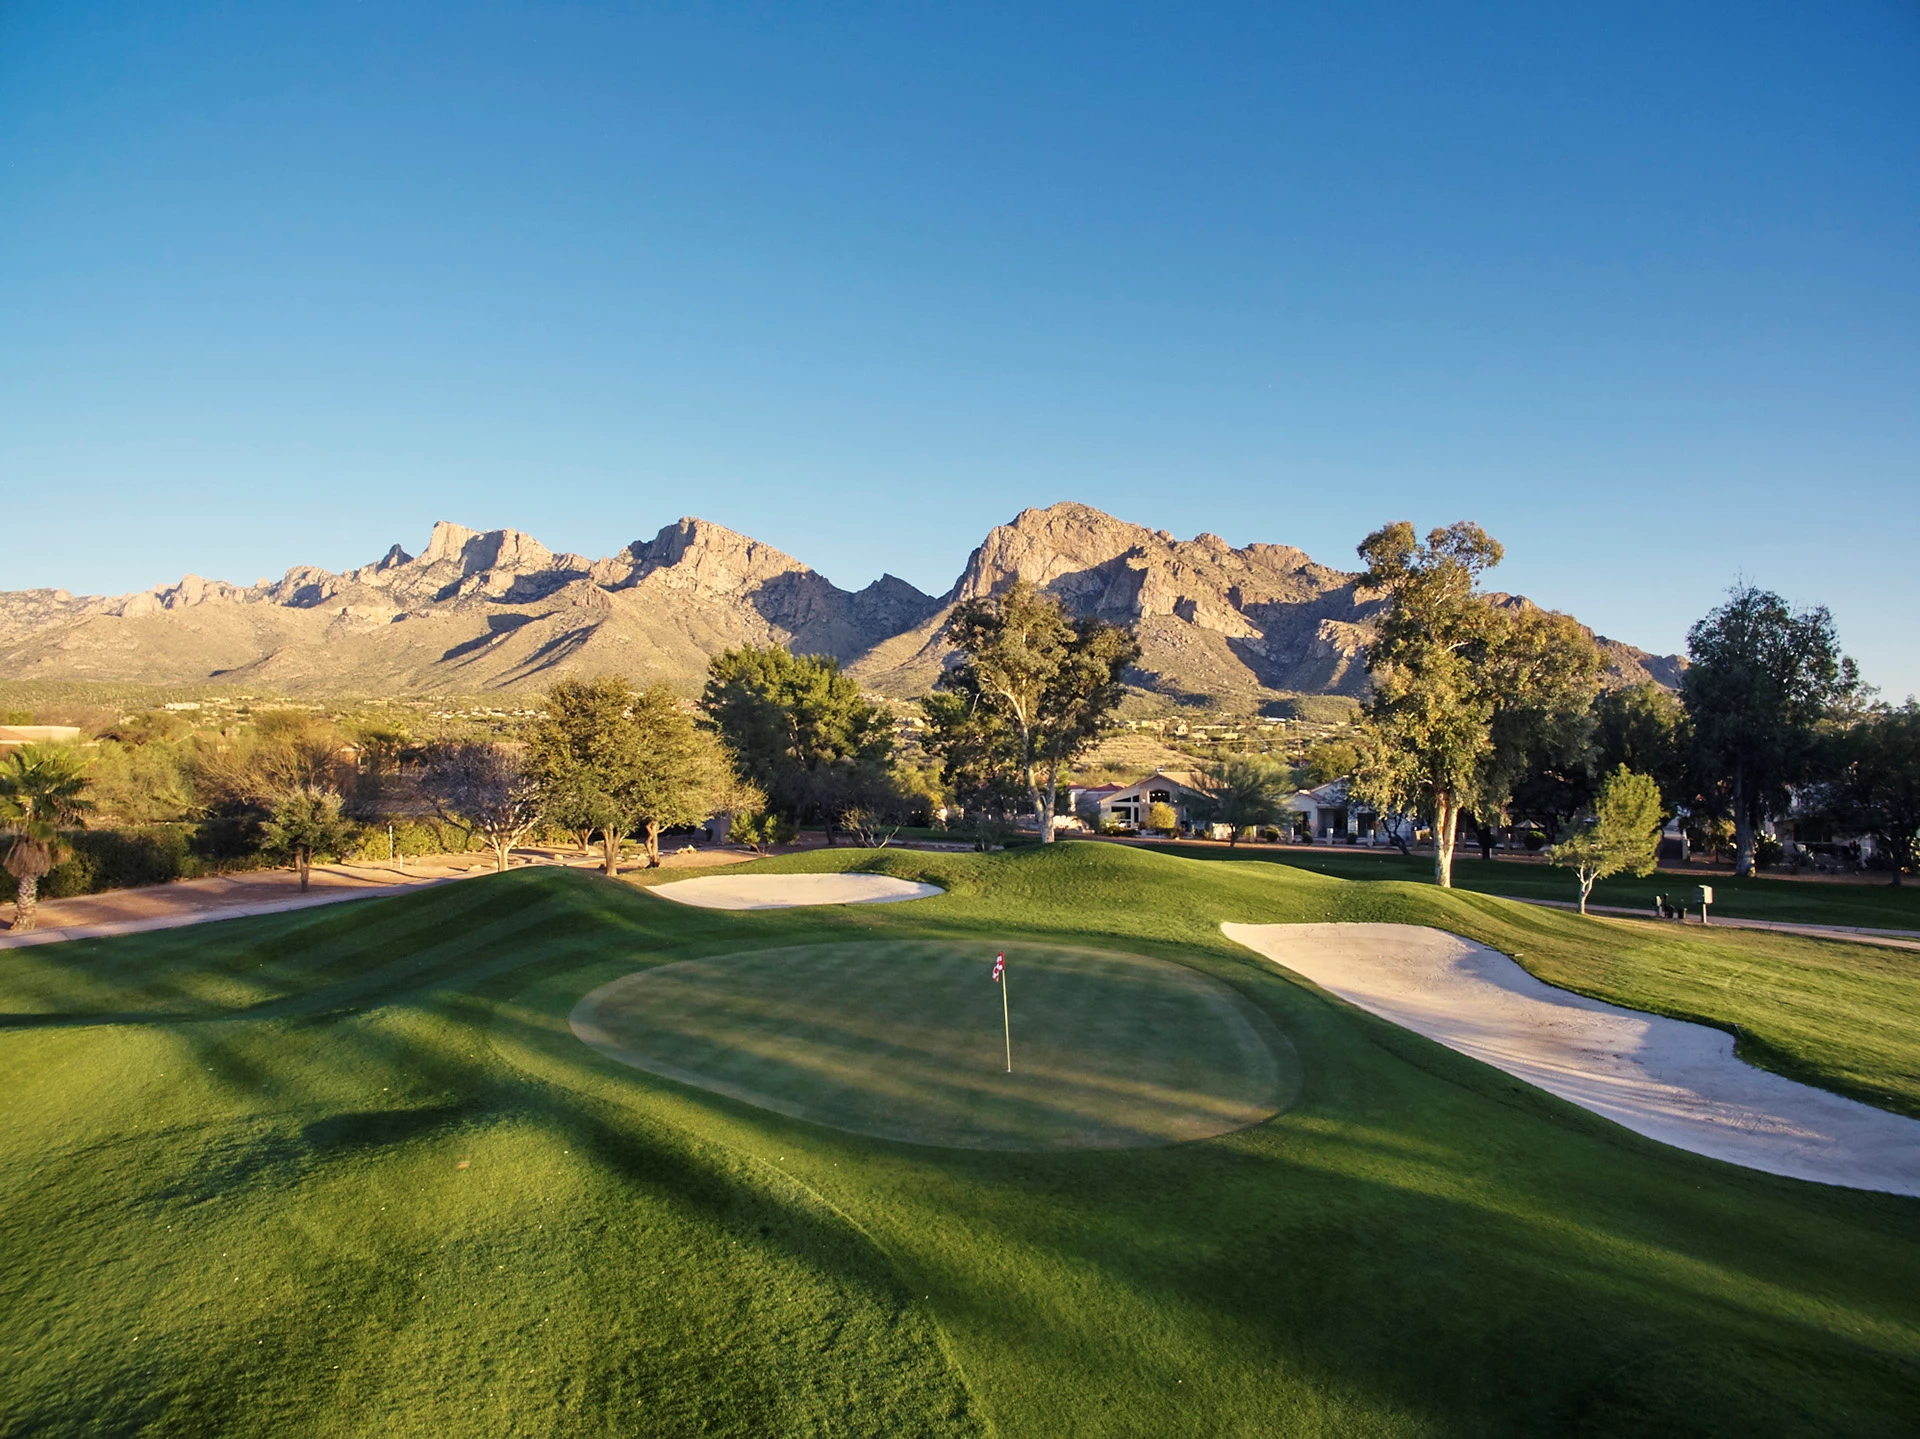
1635,286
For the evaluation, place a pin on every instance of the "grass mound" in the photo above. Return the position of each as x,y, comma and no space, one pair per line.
350,1171
907,1041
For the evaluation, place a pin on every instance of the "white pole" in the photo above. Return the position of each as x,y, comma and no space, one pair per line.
1005,1020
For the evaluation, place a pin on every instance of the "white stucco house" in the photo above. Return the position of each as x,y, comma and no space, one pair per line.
1328,814
1129,804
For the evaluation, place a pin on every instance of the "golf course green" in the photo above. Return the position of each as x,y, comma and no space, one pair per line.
906,1040
353,1170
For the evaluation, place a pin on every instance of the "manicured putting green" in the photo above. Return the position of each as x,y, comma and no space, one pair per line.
903,1040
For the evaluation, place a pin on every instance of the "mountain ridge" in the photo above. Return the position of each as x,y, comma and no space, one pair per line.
497,610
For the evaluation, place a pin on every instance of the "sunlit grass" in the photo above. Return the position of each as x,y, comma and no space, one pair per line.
349,1172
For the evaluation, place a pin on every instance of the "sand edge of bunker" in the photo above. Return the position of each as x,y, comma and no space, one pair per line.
792,891
903,1040
1671,1080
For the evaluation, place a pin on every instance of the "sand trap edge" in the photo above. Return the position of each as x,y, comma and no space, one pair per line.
1670,1080
792,891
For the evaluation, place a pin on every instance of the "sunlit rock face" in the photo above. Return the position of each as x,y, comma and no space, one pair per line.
490,609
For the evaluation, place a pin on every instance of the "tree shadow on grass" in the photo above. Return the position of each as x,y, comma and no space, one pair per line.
1519,1267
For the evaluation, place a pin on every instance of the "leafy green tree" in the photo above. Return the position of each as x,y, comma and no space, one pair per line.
1463,691
43,789
306,823
613,760
759,831
1644,728
485,791
144,782
1878,786
1544,673
1163,817
1032,689
1245,791
1328,761
1762,679
1624,834
972,745
800,730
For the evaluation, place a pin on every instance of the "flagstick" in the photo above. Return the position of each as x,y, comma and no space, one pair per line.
1005,1020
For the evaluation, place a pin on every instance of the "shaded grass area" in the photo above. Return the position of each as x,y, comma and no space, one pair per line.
1876,905
232,1196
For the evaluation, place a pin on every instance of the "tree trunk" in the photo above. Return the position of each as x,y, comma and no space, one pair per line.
585,836
501,848
653,845
1586,888
1742,825
1446,826
610,852
1042,803
27,903
303,861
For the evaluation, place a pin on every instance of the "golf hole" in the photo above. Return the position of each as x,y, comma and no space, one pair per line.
904,1041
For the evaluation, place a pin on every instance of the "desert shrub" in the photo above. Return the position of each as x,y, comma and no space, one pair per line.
760,831
414,837
104,859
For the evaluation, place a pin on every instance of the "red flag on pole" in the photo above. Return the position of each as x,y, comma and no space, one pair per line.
1000,978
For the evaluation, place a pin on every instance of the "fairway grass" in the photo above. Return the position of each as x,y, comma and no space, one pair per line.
1874,904
351,1172
907,1040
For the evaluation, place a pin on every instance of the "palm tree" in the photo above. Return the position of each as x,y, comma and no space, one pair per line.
42,790
1245,790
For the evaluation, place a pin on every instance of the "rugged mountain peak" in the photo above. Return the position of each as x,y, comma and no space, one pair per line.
192,590
496,608
891,606
447,542
475,551
710,557
1043,545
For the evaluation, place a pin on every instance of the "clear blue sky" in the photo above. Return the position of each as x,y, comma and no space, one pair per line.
1635,286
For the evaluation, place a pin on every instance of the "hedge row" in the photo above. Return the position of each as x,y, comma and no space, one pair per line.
102,859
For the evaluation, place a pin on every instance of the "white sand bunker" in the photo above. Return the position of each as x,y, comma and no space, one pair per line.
790,891
1672,1081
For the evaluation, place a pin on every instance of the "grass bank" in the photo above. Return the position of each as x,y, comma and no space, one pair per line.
1872,905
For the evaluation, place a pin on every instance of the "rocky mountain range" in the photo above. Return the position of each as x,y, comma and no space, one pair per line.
497,611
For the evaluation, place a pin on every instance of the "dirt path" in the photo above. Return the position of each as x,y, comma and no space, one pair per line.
1672,1081
1891,938
276,891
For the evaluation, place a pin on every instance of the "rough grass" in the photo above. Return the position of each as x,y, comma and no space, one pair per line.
1869,905
232,1197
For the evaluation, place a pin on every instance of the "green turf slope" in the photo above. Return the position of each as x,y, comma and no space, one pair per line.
350,1172
1867,904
